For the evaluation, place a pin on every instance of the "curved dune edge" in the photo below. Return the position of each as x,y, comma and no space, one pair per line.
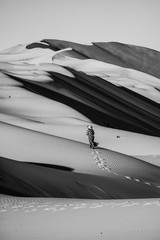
30,146
103,181
27,106
136,81
117,63
101,102
47,146
141,146
43,218
49,92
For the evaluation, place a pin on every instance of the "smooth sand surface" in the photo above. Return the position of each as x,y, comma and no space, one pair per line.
48,218
138,145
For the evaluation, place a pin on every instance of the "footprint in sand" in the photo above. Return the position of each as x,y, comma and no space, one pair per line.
101,162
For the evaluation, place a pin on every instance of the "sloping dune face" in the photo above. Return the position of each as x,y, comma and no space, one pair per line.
50,91
112,84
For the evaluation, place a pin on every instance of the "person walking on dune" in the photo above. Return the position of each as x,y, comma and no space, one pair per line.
90,133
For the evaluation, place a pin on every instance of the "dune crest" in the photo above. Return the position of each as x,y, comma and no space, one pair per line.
50,91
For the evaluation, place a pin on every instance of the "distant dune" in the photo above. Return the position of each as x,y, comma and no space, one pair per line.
50,91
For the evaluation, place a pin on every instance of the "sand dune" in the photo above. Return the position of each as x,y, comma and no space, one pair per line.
103,103
40,180
93,96
20,54
49,92
124,55
42,148
75,129
18,101
136,81
79,219
36,72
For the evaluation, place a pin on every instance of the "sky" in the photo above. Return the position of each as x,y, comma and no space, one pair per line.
127,21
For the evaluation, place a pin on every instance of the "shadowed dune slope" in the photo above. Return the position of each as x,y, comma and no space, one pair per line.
25,179
36,89
30,146
124,55
102,102
52,185
98,99
27,145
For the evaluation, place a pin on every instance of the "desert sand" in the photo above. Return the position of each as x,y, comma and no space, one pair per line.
52,184
48,218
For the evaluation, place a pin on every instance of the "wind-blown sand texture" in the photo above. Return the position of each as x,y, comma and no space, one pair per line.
52,184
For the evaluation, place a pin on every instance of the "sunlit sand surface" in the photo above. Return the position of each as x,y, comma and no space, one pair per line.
41,218
52,184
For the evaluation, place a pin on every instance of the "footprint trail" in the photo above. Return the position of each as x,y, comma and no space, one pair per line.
102,163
